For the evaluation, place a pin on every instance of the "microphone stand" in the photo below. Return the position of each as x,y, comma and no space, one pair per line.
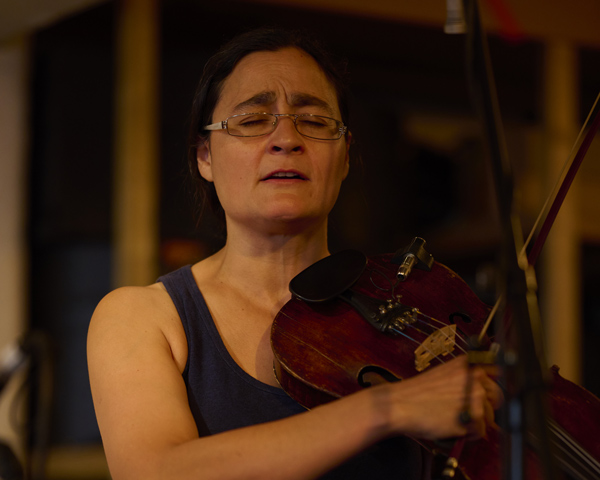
524,410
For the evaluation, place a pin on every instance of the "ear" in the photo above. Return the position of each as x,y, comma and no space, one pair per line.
347,161
204,160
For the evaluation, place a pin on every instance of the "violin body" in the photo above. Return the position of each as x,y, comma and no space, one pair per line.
324,346
325,350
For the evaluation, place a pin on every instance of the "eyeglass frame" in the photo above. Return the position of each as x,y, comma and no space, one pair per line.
222,125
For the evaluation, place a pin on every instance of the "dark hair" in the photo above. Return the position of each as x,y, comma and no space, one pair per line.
220,66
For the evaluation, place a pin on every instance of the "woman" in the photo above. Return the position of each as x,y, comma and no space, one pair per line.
182,370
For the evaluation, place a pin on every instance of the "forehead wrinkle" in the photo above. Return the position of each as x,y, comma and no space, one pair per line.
296,100
261,99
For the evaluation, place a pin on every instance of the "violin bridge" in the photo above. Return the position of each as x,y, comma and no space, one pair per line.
440,342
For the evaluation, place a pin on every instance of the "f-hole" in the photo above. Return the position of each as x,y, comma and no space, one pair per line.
374,375
453,317
459,315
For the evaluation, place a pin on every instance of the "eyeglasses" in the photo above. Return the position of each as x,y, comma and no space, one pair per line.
257,124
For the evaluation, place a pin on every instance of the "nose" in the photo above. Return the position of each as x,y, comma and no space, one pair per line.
285,139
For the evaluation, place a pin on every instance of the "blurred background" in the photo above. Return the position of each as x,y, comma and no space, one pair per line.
94,99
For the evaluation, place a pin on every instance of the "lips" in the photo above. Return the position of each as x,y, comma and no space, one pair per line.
285,175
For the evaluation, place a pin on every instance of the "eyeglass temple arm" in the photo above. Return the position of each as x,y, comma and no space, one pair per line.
217,126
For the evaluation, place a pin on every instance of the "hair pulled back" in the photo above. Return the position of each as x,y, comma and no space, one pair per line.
220,66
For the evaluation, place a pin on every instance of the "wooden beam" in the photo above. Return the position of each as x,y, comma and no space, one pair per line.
575,21
561,269
135,201
14,256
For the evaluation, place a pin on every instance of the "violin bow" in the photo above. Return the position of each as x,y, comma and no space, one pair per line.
564,187
558,194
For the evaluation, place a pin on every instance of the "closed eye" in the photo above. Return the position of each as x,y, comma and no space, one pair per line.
315,121
249,121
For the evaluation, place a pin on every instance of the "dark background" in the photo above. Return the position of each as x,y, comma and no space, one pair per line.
399,186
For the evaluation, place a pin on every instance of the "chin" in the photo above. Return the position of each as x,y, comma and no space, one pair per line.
292,224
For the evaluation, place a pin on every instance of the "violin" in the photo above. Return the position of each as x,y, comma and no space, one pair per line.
355,321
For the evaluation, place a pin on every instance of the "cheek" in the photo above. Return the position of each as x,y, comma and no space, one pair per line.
227,180
227,164
229,177
338,170
333,176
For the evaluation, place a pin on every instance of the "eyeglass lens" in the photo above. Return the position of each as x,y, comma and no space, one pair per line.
254,125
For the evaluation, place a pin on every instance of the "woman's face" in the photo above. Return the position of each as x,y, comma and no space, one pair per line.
281,180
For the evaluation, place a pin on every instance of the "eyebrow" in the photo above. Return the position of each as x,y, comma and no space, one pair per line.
307,100
295,99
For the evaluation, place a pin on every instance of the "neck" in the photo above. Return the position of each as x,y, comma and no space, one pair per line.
263,265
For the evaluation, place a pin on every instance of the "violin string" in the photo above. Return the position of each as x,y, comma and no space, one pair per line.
447,337
391,290
433,355
429,324
418,330
437,330
457,334
562,440
572,449
400,332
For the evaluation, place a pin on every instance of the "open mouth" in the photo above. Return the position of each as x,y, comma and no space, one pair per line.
288,175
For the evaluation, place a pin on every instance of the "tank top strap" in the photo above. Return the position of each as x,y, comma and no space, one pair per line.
189,302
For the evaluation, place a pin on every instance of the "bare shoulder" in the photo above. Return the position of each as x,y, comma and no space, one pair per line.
132,301
136,352
147,315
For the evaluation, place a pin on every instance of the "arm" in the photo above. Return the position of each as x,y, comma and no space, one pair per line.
136,357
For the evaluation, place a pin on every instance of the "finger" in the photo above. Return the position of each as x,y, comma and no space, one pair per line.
490,418
493,392
478,411
492,371
476,429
